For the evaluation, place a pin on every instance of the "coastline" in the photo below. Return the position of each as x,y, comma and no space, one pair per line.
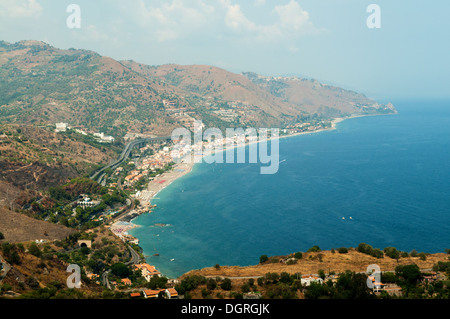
155,186
162,181
179,170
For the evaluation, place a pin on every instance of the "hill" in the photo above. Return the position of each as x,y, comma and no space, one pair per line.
41,85
312,262
35,158
18,227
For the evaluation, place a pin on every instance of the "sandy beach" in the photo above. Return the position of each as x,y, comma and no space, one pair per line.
162,181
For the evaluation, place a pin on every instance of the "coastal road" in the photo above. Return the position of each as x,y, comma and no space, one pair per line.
100,174
135,259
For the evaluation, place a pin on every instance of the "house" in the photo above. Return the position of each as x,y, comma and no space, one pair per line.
135,294
171,293
92,276
147,270
308,279
87,202
429,277
150,293
61,127
126,281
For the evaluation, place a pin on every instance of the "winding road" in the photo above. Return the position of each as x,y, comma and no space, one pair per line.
100,174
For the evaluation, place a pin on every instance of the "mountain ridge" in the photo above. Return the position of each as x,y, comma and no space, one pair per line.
41,84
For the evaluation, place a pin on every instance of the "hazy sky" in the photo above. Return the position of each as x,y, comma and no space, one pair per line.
409,56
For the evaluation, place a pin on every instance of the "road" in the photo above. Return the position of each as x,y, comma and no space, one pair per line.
100,174
135,259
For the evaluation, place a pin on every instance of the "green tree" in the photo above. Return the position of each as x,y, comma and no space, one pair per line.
409,275
351,285
35,250
263,259
226,284
314,249
392,252
211,284
120,270
321,273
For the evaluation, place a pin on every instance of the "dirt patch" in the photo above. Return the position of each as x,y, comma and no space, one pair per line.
19,228
310,264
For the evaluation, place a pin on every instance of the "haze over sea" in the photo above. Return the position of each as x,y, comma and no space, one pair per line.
382,180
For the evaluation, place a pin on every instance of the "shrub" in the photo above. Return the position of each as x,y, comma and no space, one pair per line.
298,255
245,288
364,248
211,284
263,259
343,250
226,284
392,252
314,249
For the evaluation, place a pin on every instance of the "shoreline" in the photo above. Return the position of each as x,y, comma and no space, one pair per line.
155,186
179,170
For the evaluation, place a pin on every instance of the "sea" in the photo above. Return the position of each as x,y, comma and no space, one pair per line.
381,180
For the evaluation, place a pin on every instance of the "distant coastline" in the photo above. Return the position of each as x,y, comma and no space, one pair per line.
179,170
155,187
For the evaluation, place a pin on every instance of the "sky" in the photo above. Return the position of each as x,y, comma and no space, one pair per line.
408,56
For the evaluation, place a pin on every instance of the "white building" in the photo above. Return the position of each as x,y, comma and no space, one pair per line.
308,279
87,202
61,127
104,138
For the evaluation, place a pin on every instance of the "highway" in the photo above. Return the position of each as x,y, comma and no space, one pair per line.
99,175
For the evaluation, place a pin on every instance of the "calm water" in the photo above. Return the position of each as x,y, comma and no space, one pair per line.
390,174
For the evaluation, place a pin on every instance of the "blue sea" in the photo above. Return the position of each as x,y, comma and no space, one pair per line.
381,180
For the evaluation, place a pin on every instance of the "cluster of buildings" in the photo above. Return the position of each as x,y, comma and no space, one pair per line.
85,201
147,271
305,127
100,137
145,166
169,293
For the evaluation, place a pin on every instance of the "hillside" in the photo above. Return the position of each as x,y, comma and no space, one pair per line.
17,227
312,262
35,158
41,85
